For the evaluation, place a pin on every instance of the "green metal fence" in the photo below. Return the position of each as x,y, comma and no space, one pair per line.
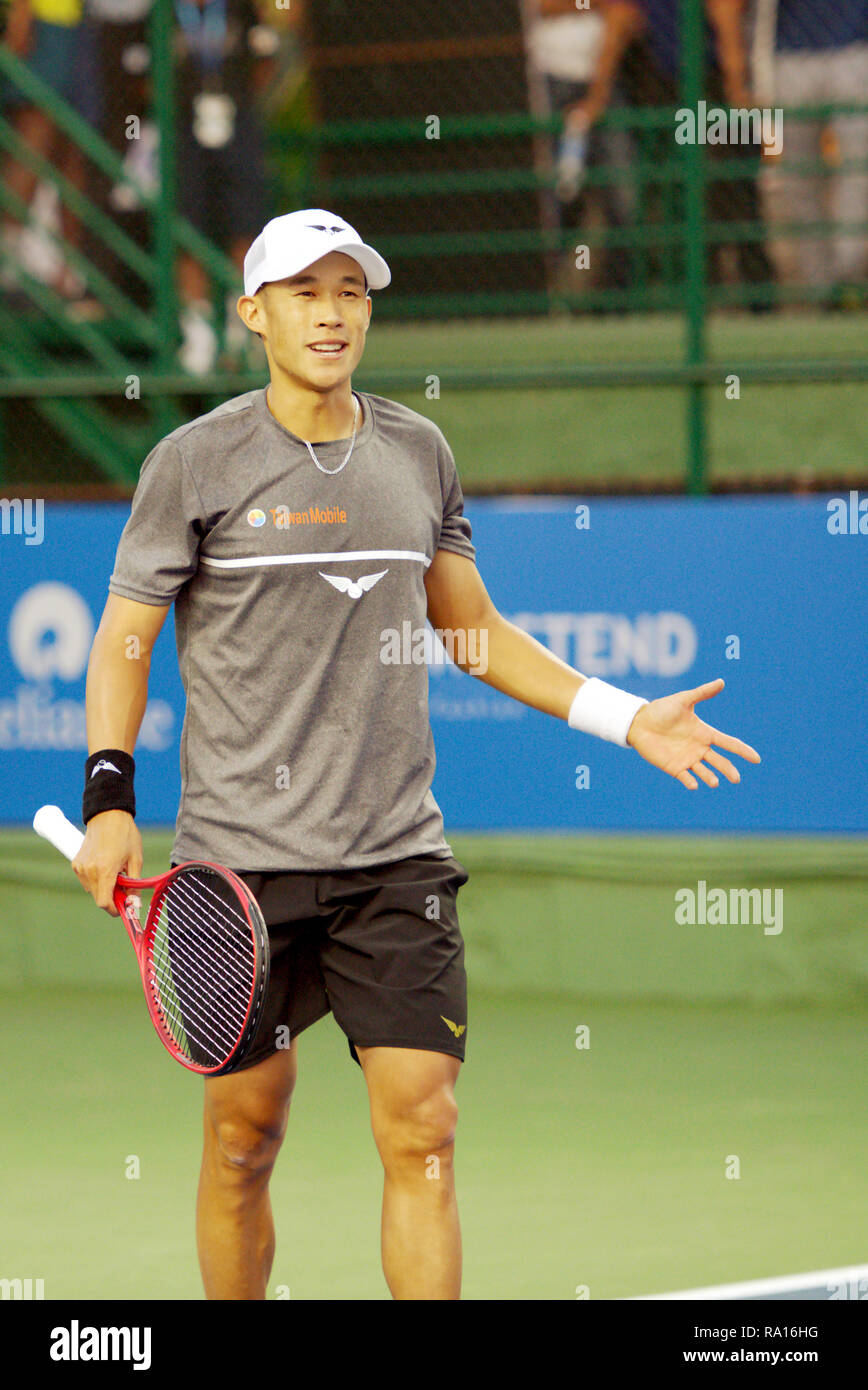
75,375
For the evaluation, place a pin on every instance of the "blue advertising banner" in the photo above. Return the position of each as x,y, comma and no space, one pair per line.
651,595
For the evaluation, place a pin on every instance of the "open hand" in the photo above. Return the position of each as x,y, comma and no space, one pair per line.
669,734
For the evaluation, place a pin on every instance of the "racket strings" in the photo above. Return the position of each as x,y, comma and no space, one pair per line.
181,887
202,964
181,954
198,935
203,1011
183,1017
195,1022
242,961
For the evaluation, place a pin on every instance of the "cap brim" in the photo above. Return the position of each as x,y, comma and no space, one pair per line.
376,270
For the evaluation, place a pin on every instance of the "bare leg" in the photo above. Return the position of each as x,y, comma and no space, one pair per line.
73,164
245,1121
74,167
193,282
36,129
413,1116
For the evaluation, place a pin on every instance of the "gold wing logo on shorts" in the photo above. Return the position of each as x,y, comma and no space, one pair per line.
456,1028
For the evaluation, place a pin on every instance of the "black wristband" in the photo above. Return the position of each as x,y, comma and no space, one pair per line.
108,783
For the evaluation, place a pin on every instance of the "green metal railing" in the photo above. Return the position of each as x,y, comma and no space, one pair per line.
73,394
692,20
150,339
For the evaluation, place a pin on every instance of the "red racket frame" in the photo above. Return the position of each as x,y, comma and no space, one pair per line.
141,936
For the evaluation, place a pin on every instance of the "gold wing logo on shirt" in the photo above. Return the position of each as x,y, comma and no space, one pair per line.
456,1028
354,588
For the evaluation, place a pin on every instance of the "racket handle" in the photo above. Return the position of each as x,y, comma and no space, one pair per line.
52,825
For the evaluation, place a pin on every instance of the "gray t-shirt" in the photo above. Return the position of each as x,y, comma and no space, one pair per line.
302,748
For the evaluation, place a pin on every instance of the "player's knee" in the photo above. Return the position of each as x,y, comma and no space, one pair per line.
247,1149
420,1130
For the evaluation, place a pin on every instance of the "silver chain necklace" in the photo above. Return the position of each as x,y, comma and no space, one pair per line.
331,471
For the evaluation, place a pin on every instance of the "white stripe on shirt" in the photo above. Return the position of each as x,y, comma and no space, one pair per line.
317,559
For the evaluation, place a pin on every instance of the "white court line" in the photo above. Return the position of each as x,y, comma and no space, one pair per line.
763,1288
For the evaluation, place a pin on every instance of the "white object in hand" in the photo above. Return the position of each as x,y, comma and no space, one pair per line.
52,825
572,159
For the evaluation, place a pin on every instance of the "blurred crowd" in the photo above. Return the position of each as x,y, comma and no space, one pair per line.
586,59
590,57
228,58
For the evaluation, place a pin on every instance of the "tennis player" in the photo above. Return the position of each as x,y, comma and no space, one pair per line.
293,527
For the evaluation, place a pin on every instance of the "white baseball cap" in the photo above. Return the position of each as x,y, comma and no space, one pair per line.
290,243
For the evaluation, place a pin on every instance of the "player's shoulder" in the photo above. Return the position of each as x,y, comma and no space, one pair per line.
399,419
220,426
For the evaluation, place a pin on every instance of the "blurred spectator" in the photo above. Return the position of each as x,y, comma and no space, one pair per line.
726,83
821,56
123,56
56,42
564,46
224,56
123,61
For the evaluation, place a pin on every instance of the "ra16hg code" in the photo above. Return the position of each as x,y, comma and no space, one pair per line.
724,1333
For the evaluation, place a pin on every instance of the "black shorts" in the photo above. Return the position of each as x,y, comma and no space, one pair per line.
380,948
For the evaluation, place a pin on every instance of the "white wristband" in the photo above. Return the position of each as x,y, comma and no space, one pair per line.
604,710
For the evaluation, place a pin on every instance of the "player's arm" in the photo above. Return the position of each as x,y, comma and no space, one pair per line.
509,658
117,694
623,21
667,733
726,18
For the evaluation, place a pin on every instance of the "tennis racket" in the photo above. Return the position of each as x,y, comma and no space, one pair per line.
203,953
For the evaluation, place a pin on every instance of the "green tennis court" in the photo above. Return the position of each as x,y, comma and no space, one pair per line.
645,1107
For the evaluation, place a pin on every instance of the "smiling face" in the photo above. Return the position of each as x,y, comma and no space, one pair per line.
313,324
